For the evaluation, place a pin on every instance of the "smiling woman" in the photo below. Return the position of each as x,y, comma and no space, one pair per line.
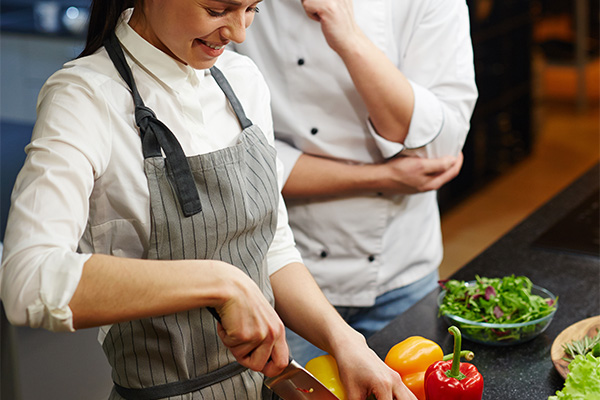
149,206
103,229
194,32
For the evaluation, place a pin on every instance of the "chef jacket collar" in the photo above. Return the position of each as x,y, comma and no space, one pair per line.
164,67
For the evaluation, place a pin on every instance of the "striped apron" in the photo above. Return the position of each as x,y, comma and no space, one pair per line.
221,205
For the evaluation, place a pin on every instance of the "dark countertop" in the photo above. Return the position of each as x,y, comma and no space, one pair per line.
523,371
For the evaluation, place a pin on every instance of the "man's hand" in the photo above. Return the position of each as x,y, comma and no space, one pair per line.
337,22
409,175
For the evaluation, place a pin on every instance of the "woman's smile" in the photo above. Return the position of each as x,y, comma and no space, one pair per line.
212,46
211,49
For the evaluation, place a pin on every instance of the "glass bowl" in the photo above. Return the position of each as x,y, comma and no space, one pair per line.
501,334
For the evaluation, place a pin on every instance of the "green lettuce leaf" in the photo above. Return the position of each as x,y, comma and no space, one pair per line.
583,381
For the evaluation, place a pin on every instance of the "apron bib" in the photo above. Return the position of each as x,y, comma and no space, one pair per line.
221,205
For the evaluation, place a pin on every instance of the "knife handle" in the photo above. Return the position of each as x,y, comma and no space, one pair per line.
218,318
214,313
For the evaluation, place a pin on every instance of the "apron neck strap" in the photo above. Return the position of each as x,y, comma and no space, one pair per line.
229,93
115,52
157,136
151,146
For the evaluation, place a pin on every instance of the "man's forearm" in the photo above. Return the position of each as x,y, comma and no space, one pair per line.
386,92
320,177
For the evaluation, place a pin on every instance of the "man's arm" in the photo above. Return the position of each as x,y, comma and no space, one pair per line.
384,89
427,105
316,176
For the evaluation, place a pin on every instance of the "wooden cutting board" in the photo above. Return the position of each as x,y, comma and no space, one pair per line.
577,331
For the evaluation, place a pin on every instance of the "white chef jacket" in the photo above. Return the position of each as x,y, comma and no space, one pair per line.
83,180
360,247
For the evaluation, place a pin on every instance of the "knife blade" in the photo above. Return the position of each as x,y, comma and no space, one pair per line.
296,383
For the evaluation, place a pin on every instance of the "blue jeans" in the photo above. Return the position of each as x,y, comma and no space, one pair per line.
368,320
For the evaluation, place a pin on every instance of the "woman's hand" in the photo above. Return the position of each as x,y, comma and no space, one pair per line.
306,311
251,328
363,373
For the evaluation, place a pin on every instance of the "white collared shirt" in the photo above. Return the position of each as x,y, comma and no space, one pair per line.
360,247
84,180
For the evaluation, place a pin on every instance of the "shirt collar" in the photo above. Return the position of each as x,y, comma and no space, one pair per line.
164,67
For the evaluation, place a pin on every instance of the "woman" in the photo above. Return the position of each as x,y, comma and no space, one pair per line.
144,209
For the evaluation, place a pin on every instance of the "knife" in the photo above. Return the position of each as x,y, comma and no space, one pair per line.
295,382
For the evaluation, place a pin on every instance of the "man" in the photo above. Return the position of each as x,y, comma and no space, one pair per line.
371,106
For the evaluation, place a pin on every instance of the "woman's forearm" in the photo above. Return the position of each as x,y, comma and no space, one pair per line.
114,289
304,309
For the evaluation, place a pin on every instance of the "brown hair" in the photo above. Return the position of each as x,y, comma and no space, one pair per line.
104,15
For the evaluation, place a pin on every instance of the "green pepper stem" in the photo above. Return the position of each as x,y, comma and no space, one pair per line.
466,354
454,371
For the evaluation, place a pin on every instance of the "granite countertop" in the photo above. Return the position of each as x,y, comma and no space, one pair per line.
524,371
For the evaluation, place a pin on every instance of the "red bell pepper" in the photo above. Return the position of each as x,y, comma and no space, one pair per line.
453,380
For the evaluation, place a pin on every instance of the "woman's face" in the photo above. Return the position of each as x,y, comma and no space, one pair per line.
193,32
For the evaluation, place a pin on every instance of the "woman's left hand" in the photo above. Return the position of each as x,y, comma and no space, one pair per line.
363,373
337,22
305,310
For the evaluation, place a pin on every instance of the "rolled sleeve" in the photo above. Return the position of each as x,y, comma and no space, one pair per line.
36,287
438,63
427,119
51,310
387,148
426,124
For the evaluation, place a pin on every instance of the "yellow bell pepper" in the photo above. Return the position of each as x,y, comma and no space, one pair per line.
325,369
410,358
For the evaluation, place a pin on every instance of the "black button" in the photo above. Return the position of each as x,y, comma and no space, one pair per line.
314,131
371,258
323,254
379,194
301,61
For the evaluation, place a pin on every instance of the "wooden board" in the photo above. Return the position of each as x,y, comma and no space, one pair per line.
577,331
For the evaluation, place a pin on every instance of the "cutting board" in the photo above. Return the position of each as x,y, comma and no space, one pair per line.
577,331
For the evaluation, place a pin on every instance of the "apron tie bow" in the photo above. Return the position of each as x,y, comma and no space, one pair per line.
156,136
142,113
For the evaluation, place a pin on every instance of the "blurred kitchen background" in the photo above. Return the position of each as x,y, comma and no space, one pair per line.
535,129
